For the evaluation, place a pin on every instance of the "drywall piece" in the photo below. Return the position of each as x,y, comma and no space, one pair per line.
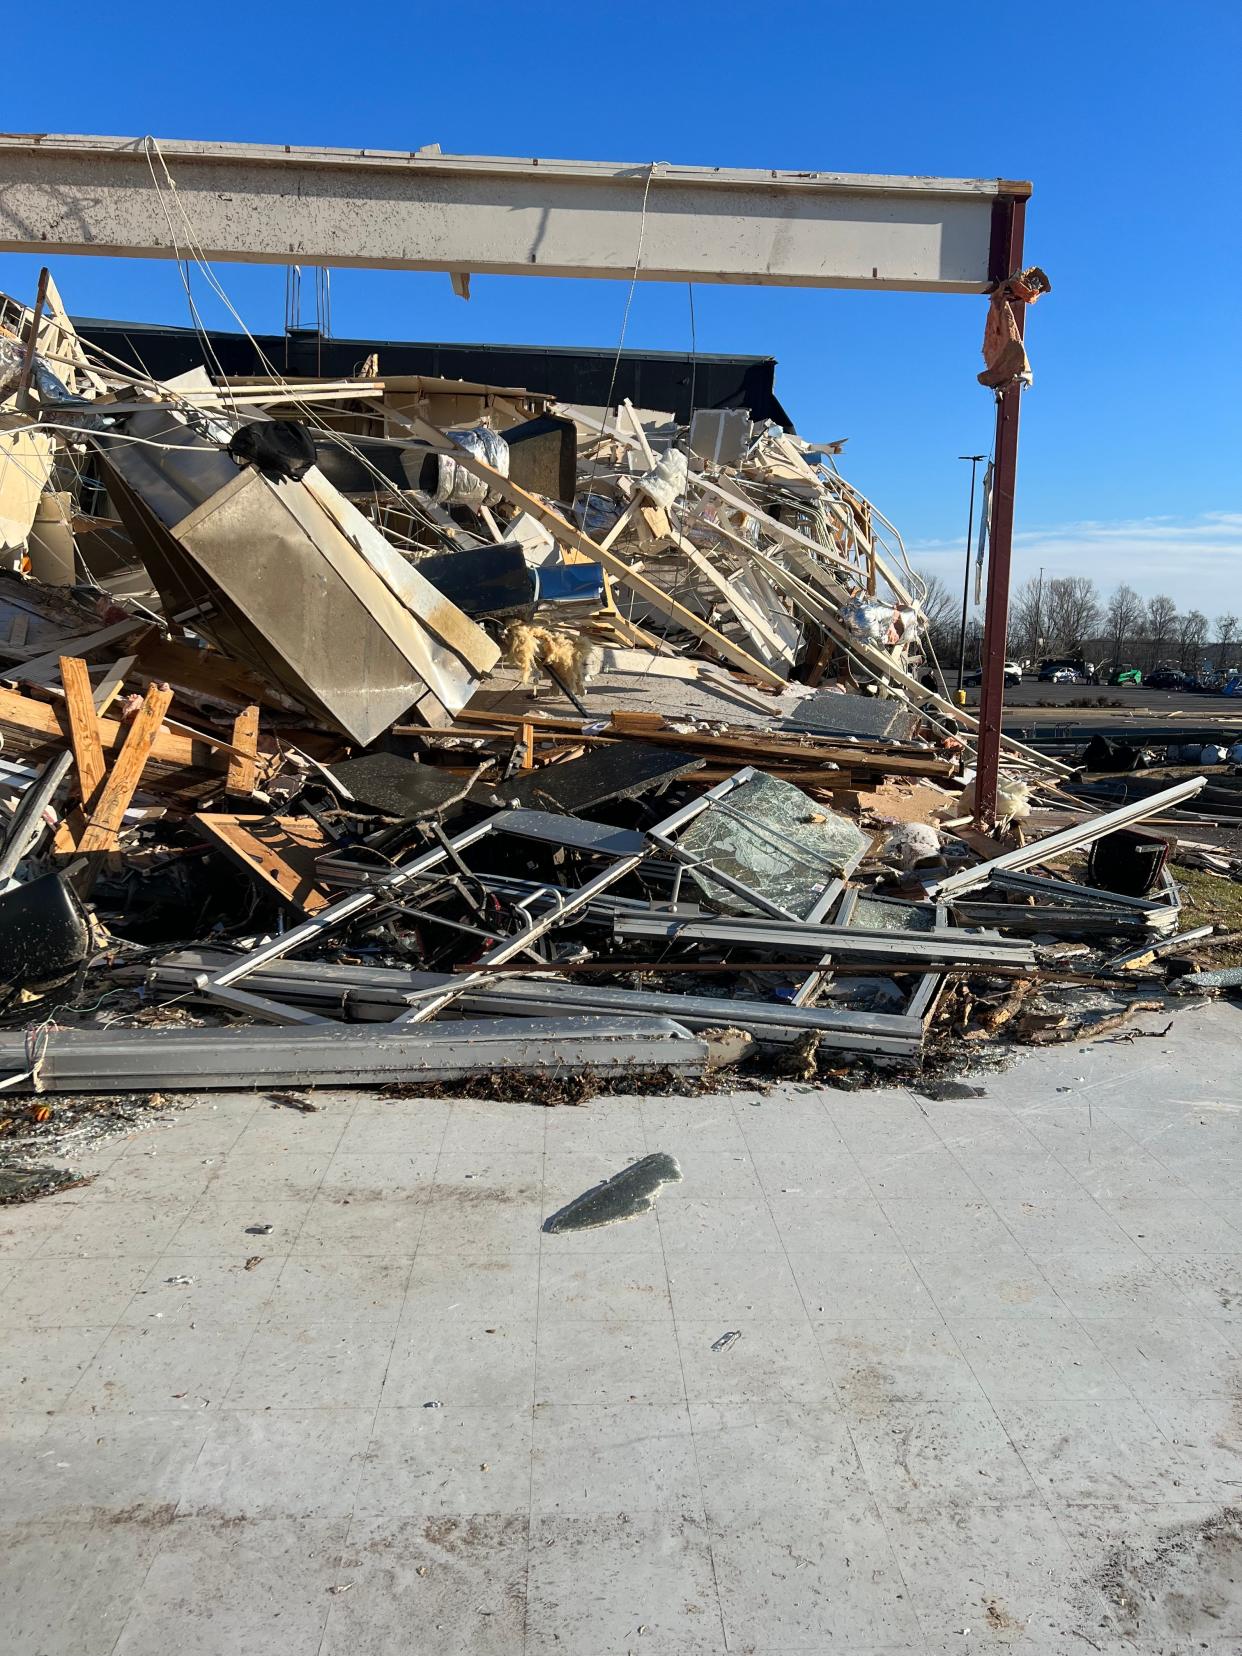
399,787
720,435
872,718
25,467
50,544
616,770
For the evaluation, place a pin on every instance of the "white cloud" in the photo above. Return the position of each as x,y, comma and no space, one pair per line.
1197,561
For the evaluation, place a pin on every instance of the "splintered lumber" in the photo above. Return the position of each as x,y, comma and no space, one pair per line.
104,818
279,852
243,762
37,730
83,727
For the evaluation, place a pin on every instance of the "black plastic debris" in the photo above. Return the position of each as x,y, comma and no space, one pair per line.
43,932
492,582
1103,754
626,1195
277,448
1127,861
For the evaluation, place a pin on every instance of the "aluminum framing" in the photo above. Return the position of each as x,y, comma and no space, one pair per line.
1079,833
339,1055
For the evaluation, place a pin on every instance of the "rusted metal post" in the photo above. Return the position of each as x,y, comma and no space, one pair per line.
1005,257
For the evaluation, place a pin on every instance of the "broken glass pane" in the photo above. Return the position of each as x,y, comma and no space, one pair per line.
877,914
771,836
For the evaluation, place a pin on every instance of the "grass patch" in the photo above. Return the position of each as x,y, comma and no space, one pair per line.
1207,900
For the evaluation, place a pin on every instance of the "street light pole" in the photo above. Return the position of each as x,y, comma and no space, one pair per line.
970,526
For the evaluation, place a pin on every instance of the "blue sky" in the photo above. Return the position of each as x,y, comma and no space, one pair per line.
1126,117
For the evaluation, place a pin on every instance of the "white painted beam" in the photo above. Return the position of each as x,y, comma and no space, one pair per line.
382,209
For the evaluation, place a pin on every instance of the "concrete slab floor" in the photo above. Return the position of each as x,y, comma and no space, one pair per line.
986,1394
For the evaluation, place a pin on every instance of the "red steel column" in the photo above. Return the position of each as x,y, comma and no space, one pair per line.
1004,257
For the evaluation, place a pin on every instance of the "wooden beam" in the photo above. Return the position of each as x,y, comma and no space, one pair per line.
105,818
244,771
83,727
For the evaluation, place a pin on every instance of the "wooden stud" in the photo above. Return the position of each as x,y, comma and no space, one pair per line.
83,727
105,818
244,771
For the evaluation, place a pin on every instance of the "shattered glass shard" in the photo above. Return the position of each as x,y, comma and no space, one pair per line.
625,1196
777,840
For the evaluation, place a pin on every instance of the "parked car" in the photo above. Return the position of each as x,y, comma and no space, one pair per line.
1048,671
1013,675
1125,674
1166,678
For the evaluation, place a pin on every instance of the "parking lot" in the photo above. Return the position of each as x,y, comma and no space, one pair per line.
1130,697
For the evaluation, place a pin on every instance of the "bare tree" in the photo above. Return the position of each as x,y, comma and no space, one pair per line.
1162,626
1073,613
1026,619
944,616
1123,619
1226,632
1192,634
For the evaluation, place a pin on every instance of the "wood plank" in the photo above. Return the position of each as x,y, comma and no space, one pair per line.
758,747
69,829
83,728
37,730
279,852
105,818
244,771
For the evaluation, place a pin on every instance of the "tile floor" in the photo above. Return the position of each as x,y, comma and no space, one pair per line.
987,1392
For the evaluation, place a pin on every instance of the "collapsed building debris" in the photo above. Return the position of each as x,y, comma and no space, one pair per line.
367,730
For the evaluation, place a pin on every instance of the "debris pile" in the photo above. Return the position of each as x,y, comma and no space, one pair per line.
402,731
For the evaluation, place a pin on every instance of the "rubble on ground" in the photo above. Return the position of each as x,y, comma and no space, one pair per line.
395,733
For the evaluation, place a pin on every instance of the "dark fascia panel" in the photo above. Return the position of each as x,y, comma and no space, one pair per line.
660,380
